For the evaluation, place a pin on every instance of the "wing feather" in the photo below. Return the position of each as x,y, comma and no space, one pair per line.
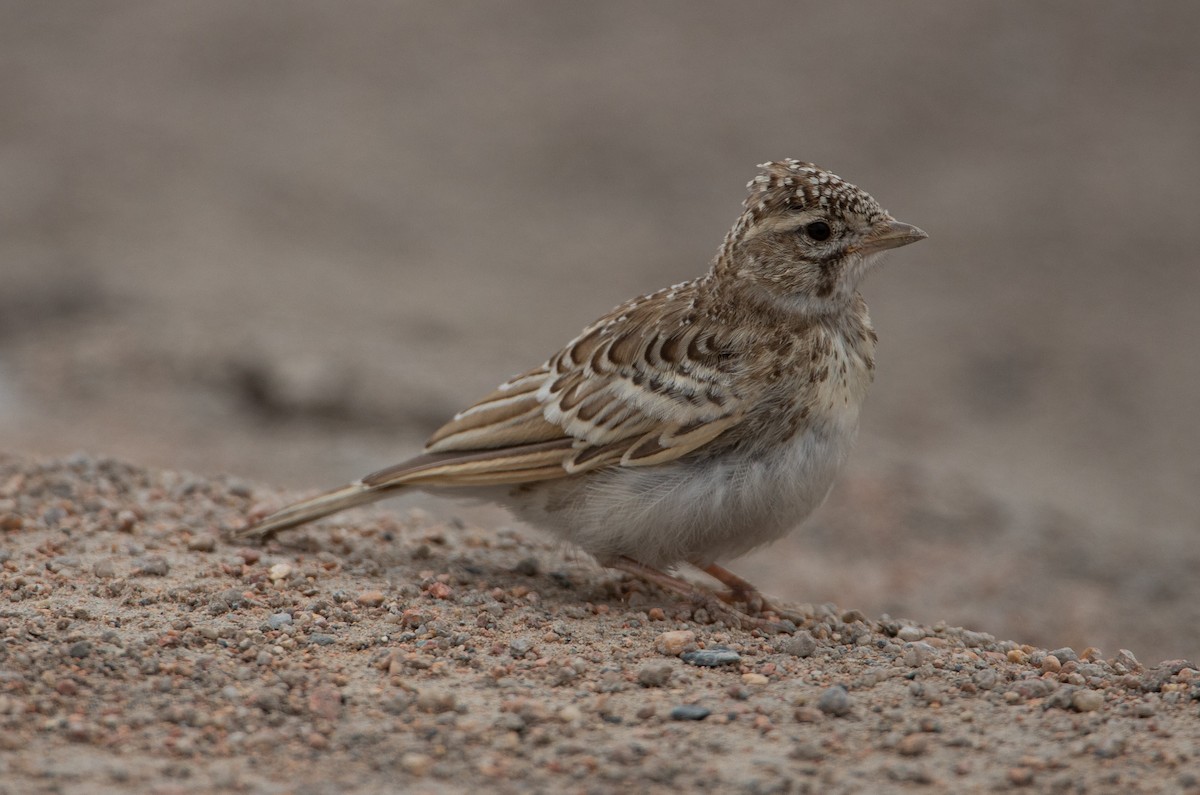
644,385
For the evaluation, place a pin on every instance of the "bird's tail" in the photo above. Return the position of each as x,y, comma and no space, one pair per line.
330,502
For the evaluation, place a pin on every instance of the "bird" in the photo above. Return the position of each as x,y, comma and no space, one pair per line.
689,425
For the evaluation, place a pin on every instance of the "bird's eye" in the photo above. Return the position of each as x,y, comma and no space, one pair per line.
818,231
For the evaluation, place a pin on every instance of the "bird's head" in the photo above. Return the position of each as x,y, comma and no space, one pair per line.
807,237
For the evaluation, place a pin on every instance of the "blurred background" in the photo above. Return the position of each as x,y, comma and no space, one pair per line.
285,240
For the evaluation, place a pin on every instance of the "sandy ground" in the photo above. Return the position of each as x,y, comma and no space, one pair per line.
286,241
385,653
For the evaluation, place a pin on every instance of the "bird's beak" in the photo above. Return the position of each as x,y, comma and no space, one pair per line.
890,234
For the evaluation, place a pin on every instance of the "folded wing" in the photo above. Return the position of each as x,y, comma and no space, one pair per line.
643,385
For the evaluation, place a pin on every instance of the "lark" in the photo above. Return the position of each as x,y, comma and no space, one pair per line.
690,425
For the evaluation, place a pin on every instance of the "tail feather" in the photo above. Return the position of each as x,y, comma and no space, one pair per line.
330,502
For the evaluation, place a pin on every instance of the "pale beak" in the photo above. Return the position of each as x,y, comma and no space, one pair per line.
891,234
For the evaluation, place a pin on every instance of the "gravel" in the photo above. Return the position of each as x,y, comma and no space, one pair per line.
338,659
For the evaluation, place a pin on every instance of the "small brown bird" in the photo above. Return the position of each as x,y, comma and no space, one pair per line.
690,425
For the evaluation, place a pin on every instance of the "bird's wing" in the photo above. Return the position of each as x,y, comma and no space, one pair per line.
644,385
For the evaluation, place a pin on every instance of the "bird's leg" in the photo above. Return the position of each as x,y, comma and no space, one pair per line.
744,591
740,590
696,596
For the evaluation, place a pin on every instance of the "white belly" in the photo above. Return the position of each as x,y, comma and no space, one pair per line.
698,512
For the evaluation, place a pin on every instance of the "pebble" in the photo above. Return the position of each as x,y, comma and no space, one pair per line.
370,598
1020,776
675,642
202,544
153,566
436,701
1087,700
519,647
279,620
755,680
280,571
1124,662
1051,664
655,674
105,569
322,640
690,712
802,644
835,701
913,745
917,654
910,633
80,649
416,764
1065,654
712,657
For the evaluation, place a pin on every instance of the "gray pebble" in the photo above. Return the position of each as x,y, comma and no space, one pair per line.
711,657
279,620
917,654
690,712
105,569
321,640
985,679
655,674
205,543
802,644
1066,654
81,649
834,701
519,647
154,566
1124,662
910,634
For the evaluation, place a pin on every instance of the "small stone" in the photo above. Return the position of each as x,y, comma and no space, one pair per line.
105,569
570,714
802,644
1124,662
656,674
322,640
80,649
436,701
1087,700
712,657
917,654
913,745
690,712
370,598
153,566
985,679
280,571
1066,654
755,680
126,521
279,620
1051,664
807,714
416,764
910,634
519,647
835,701
202,544
1020,776
675,642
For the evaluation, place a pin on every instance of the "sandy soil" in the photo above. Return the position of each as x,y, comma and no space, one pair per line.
287,242
385,653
